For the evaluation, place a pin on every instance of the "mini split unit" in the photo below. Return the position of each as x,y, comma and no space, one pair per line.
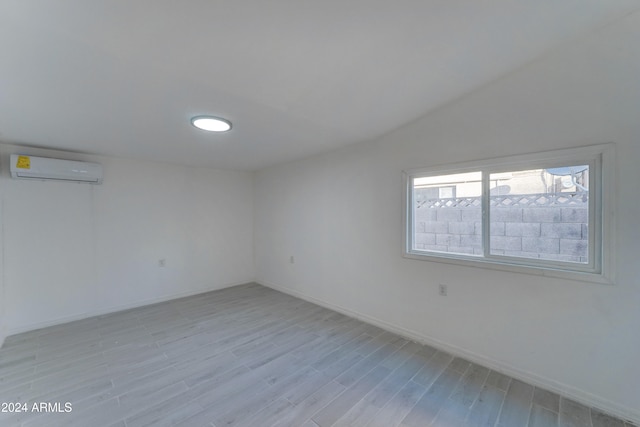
42,168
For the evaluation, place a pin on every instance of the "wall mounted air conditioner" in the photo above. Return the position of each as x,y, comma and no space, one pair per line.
43,168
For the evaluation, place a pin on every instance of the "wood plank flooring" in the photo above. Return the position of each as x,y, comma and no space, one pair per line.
250,356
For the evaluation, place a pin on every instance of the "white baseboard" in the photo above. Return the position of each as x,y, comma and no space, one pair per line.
113,309
586,398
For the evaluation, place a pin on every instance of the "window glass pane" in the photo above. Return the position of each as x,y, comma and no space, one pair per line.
540,214
447,213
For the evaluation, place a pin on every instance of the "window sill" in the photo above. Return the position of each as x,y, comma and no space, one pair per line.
490,264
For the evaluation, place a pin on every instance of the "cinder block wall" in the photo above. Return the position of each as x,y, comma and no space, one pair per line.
553,232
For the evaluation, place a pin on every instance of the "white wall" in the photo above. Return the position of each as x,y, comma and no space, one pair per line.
340,215
75,250
3,327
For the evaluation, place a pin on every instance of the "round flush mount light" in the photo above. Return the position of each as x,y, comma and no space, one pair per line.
211,123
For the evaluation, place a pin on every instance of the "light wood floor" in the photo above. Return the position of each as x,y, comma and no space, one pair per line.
251,356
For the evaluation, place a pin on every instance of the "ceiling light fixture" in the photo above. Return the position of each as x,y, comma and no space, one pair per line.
211,123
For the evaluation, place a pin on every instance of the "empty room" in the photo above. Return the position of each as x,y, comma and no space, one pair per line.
320,213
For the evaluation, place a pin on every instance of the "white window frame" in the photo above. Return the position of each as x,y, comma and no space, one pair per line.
601,161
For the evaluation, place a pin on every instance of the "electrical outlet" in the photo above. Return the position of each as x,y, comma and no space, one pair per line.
291,259
162,262
443,290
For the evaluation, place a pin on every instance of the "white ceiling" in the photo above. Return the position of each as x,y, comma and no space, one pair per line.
296,77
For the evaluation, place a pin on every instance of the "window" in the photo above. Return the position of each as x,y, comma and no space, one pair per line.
540,213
